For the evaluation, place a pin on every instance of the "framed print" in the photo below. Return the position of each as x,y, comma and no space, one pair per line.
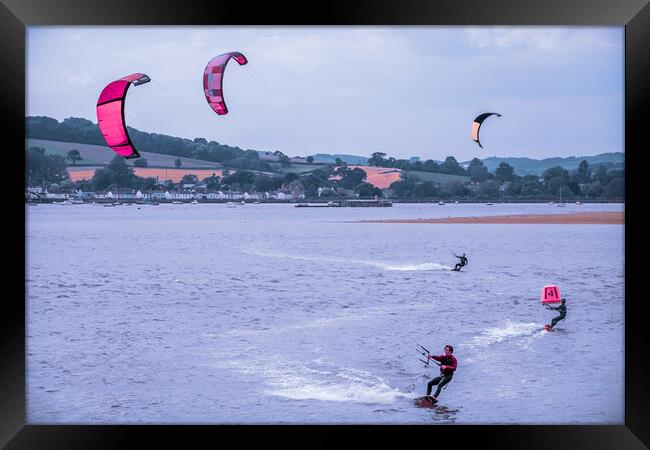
245,219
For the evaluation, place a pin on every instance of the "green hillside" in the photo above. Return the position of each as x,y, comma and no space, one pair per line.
437,177
296,168
99,155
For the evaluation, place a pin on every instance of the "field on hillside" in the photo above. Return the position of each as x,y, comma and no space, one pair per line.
438,177
176,175
381,177
296,168
100,155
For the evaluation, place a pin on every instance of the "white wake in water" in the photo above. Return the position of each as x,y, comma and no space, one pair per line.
380,264
518,332
407,267
342,384
317,380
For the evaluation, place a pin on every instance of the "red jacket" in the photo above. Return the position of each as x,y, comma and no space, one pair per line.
449,362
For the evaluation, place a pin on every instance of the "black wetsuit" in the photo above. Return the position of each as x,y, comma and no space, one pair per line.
445,374
463,262
562,310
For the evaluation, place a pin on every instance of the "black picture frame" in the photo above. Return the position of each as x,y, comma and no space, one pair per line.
634,15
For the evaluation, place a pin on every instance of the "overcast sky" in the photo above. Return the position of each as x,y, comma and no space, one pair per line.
404,91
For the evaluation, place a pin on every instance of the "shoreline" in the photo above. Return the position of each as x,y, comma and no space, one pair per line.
582,218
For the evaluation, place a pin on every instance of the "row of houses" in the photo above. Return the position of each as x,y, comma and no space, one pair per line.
39,193
289,191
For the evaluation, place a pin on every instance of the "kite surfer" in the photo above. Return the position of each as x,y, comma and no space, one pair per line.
463,262
561,309
448,365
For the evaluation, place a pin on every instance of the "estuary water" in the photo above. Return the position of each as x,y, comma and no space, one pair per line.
270,314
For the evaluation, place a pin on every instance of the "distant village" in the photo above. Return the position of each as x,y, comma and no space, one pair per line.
188,192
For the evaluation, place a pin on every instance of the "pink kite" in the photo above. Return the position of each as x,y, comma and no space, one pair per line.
550,294
213,80
110,114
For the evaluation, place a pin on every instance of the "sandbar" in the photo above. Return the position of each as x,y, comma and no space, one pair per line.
584,218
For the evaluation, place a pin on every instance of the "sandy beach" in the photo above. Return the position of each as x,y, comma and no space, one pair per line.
595,218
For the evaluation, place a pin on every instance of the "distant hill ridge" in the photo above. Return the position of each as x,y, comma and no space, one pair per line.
530,166
522,165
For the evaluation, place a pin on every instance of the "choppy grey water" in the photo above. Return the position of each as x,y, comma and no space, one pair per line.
266,313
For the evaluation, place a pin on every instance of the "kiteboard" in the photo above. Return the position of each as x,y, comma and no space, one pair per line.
425,402
547,328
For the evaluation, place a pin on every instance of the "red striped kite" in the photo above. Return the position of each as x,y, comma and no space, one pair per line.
213,80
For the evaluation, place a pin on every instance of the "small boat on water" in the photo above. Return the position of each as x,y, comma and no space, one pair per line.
441,203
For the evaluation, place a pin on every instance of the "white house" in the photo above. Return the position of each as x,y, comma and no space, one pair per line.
253,196
293,190
59,196
215,195
178,195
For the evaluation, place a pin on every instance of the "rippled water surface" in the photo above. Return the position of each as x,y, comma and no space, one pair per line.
266,313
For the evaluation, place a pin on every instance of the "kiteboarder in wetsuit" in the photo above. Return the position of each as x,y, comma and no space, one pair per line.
561,309
463,262
448,365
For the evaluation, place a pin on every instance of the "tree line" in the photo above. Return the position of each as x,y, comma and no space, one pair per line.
585,182
339,181
503,183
